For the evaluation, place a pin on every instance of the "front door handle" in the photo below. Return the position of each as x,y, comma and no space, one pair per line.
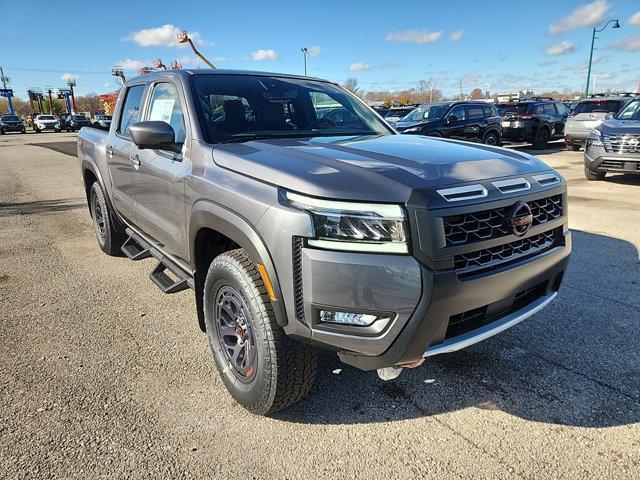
136,161
110,151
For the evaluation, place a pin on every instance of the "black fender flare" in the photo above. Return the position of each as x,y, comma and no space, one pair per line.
207,214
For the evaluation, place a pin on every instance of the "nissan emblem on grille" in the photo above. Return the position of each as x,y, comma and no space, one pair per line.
520,219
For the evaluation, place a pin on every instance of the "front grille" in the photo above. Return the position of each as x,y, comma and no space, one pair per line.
621,143
490,258
618,165
488,224
297,277
465,322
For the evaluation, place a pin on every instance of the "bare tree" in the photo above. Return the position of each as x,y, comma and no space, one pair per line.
352,85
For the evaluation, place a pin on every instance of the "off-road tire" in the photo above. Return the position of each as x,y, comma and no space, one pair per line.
284,368
542,138
109,239
491,138
594,176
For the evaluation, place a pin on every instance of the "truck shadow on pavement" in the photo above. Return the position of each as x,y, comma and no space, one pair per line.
575,363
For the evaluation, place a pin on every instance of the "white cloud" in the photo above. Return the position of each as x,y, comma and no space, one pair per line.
129,64
606,76
562,48
359,67
261,54
586,15
68,76
456,36
584,67
628,44
414,35
166,36
314,51
635,19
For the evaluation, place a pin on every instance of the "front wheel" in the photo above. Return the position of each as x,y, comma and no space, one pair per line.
542,139
262,368
594,176
109,239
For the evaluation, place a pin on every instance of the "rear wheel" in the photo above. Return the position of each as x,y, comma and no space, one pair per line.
491,138
1,131
263,369
542,139
594,176
109,239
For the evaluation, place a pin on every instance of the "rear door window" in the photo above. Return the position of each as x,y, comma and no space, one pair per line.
131,109
538,109
474,112
549,109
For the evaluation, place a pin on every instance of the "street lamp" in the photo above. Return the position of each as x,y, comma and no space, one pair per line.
616,24
304,53
431,93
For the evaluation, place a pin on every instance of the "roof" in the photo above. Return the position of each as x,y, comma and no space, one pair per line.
208,71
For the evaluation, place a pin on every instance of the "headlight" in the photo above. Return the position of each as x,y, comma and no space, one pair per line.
412,130
353,226
4,124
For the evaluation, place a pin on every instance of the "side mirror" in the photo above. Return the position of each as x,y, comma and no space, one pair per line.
609,116
451,119
154,134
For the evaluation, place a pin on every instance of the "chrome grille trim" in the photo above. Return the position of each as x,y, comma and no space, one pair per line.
468,192
512,185
620,143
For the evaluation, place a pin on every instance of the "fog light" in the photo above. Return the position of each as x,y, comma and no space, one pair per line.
347,318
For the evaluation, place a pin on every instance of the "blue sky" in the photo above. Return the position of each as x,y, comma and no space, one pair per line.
385,45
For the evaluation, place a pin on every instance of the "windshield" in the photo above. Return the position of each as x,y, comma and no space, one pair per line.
631,111
398,112
598,106
79,117
427,113
9,118
508,109
46,117
244,107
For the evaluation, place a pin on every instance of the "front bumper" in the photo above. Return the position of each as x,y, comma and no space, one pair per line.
597,159
12,128
47,127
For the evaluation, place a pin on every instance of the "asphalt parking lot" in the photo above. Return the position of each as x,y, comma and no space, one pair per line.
104,376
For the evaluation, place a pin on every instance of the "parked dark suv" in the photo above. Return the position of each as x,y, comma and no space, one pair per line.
468,120
535,121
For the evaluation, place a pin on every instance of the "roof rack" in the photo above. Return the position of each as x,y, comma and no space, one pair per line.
543,98
614,94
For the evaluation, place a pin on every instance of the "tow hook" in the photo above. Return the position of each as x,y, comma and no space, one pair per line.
389,373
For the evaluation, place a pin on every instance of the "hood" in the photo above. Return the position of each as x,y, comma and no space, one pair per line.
380,168
620,127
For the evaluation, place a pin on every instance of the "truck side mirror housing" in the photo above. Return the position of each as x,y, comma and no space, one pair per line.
609,116
154,134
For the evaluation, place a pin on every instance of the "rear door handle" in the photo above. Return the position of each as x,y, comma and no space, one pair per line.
110,151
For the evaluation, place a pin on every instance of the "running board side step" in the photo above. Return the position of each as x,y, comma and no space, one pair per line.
134,249
164,281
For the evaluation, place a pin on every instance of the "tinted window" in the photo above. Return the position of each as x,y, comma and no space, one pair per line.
458,112
538,109
426,113
549,109
488,111
601,106
562,109
9,118
631,111
474,111
131,108
165,106
507,109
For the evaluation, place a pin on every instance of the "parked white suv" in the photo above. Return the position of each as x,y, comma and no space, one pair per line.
46,122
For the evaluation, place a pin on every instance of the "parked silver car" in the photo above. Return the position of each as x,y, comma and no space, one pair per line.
589,114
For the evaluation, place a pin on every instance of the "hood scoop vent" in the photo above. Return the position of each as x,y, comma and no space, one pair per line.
458,194
512,185
547,179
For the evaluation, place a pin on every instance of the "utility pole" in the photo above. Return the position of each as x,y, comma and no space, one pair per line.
460,89
305,50
72,83
431,93
6,92
616,24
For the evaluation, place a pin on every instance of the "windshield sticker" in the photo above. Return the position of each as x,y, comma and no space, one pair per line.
162,109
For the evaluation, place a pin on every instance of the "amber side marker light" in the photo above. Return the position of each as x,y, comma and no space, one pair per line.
267,281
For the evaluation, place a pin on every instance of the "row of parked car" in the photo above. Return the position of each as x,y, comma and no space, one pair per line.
43,123
535,120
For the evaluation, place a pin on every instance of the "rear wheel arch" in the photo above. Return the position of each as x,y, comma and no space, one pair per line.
214,230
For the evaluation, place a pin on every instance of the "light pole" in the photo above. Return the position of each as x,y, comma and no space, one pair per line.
304,53
72,83
431,93
593,88
616,24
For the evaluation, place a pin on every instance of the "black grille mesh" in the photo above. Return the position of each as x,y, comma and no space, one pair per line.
490,257
297,277
488,224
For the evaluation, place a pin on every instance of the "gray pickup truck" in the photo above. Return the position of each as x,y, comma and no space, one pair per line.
297,232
